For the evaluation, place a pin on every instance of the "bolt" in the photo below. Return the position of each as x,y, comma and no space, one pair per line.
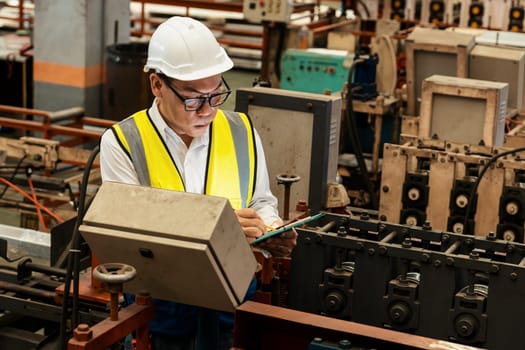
345,344
371,251
143,298
437,263
425,257
301,205
382,250
83,332
450,261
491,236
494,268
385,188
513,276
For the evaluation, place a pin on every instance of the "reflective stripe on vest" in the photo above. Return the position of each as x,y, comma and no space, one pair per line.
231,159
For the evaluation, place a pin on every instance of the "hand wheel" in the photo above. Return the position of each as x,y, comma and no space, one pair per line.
114,275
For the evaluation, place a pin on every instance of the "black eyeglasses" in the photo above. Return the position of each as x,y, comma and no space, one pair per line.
196,103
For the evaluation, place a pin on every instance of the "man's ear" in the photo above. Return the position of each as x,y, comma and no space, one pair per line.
155,84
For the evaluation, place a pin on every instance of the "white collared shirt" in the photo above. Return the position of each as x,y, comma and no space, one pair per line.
116,166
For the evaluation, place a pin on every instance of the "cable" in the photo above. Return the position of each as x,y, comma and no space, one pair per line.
36,203
474,189
73,262
354,137
38,211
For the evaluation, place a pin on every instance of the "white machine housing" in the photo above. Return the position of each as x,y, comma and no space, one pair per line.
186,247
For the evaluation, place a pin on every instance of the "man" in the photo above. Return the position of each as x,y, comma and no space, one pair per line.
184,142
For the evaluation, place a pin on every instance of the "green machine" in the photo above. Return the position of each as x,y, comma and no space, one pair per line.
315,70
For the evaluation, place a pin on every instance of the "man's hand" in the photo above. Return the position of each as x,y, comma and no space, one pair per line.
252,224
254,227
281,245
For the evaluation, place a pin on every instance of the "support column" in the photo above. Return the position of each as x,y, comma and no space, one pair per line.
70,40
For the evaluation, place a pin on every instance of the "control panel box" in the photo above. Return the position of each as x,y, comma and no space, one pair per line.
268,10
315,70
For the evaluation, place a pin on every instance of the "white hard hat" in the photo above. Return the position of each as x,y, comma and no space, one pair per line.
185,49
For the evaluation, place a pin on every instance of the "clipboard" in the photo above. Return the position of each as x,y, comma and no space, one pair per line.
287,227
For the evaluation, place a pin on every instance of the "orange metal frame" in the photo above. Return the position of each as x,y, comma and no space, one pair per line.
21,18
133,318
70,122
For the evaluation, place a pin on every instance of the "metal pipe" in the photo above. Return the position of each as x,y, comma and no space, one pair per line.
453,247
328,226
13,287
48,270
389,237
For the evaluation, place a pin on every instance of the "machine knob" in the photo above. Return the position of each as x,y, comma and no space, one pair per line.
414,194
457,227
334,302
466,325
512,208
411,220
399,312
462,201
509,235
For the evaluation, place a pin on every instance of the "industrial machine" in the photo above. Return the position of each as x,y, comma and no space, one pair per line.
414,279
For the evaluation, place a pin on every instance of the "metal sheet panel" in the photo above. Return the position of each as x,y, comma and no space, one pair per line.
300,135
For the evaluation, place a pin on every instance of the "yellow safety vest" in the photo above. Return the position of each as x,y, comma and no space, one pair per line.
231,163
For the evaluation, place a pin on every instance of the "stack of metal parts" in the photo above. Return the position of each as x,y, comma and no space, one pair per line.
442,285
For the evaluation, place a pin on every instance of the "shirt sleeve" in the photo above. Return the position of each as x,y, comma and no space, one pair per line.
115,164
263,200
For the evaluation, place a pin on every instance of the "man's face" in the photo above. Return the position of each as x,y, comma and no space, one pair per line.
179,115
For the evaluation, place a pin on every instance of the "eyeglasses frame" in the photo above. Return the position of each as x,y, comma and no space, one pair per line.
203,100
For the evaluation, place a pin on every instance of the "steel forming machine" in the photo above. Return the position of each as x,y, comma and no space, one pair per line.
414,279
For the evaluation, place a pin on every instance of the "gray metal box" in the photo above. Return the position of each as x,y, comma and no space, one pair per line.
503,64
186,247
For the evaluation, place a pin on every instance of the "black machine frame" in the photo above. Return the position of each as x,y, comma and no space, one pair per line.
460,288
